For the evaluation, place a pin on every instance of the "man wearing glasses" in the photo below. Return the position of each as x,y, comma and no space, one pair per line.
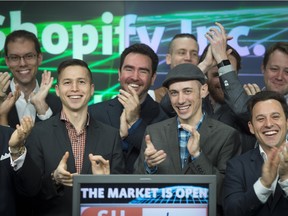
23,57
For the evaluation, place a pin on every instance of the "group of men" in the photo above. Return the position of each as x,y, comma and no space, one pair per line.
201,123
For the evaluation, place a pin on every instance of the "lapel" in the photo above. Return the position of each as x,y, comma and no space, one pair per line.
277,195
114,111
63,141
173,144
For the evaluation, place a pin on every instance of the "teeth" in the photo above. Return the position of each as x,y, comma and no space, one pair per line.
75,97
134,85
23,71
183,107
270,132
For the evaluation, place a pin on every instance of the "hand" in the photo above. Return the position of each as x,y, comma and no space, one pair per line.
151,155
38,99
100,166
4,84
7,104
270,167
22,131
123,125
218,40
61,175
193,144
131,104
251,89
283,166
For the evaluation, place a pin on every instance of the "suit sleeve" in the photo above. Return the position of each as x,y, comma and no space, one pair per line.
238,197
235,95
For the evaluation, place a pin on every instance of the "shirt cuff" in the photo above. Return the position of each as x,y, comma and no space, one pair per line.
47,115
149,170
262,192
134,126
225,69
18,163
284,186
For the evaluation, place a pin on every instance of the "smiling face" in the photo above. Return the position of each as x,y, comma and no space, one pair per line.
268,123
74,88
136,72
186,99
276,72
183,50
24,71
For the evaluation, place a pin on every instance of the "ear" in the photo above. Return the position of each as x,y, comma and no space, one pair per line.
251,128
204,90
153,79
57,90
119,74
262,69
168,59
92,89
40,59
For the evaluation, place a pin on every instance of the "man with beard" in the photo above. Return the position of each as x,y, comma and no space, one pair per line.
219,109
133,109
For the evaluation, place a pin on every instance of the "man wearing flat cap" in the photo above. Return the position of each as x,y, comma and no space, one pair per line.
191,142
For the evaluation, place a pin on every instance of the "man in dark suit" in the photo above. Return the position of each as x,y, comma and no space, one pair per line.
133,109
191,142
19,176
23,57
71,142
256,183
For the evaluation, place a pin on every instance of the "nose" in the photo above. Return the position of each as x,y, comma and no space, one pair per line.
181,98
188,56
75,86
280,75
269,122
22,61
135,75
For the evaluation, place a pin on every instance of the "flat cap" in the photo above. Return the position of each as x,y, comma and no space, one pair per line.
183,72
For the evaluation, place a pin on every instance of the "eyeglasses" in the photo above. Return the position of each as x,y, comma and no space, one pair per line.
29,57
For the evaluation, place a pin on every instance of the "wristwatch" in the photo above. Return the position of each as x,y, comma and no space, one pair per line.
223,63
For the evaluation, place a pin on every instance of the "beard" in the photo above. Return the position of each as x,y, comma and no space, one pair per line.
217,94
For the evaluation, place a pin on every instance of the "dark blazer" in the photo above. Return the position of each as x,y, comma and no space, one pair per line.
218,143
52,100
239,198
109,112
47,144
16,186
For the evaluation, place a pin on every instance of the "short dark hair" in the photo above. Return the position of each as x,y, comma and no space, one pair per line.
22,34
281,46
141,49
267,95
180,35
233,53
73,62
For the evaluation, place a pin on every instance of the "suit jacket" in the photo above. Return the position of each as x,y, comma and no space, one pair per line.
218,143
16,186
109,112
239,197
47,144
227,116
52,100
